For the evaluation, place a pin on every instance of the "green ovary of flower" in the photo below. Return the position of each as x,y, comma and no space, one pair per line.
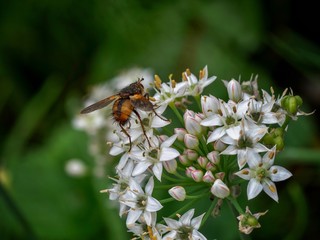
244,142
185,232
256,116
146,122
154,154
261,173
142,202
230,121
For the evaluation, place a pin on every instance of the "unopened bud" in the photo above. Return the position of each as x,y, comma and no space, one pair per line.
197,175
202,161
208,177
219,145
170,166
184,160
180,132
220,189
191,141
214,157
192,125
178,193
234,90
189,170
191,154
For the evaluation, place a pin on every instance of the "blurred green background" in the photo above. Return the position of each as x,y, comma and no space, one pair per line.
51,52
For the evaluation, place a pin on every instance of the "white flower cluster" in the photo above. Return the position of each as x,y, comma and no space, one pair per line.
239,137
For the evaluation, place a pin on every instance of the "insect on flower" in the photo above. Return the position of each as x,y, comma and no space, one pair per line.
126,101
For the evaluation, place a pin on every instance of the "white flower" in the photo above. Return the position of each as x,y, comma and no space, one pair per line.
262,175
244,139
196,86
227,116
169,92
141,203
261,112
154,156
184,228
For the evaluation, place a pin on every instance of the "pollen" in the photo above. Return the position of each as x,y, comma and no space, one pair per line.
201,74
157,81
271,155
272,189
188,72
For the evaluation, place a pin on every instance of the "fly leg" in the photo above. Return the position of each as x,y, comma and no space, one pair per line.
143,129
146,95
128,135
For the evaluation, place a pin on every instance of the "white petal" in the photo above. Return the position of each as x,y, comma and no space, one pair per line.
141,167
153,204
270,188
173,224
196,222
216,134
186,218
132,217
159,123
116,150
147,217
157,170
253,158
168,154
198,235
149,186
242,158
230,150
244,174
234,132
254,188
169,141
278,173
214,120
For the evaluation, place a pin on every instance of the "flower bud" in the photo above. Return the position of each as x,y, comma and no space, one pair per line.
220,175
180,132
220,189
191,154
189,170
170,166
178,193
192,125
197,175
184,160
234,90
210,166
191,141
219,145
208,177
202,161
214,157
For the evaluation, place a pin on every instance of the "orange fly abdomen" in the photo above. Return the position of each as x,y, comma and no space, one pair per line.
122,109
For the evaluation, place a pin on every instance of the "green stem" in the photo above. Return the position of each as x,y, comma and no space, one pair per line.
236,205
208,213
177,113
198,101
166,200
